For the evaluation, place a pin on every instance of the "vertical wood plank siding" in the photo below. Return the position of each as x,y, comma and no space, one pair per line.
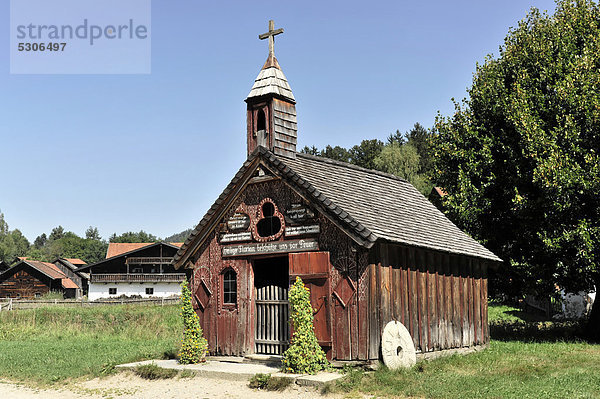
440,298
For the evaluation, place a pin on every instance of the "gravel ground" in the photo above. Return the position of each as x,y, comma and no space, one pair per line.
126,385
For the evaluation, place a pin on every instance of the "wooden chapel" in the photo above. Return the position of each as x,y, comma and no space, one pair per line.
369,246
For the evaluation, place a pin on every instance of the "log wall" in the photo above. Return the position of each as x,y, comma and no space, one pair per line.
23,284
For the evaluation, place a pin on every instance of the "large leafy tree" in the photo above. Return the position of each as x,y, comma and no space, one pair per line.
403,161
12,242
66,244
520,158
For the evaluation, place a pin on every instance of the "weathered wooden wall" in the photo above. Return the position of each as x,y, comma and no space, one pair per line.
231,331
228,329
23,284
440,298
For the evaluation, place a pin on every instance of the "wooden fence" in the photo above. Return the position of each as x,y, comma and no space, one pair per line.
16,304
272,329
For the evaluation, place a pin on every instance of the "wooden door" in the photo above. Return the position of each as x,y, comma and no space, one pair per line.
271,331
313,268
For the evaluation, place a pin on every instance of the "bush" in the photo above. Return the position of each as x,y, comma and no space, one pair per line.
304,354
52,295
265,381
259,381
194,346
153,372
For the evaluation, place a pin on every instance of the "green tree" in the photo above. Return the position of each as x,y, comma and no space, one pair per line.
365,153
130,236
179,237
92,233
396,138
12,242
57,232
3,225
336,153
68,245
402,161
310,150
420,139
520,158
304,354
194,346
40,241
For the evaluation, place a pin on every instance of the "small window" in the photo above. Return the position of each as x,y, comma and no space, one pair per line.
261,122
149,291
37,295
112,291
137,270
229,287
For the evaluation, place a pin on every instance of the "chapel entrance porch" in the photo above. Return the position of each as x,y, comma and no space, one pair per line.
271,285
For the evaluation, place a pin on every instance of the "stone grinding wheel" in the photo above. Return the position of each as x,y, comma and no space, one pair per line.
397,346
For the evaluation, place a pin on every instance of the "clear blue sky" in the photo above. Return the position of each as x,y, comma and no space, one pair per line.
153,152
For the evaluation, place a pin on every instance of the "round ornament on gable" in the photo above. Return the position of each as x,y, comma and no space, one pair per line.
397,346
269,223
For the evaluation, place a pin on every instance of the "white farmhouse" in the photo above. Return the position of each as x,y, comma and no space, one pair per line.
135,270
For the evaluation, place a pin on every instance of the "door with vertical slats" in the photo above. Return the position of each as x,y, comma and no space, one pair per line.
272,330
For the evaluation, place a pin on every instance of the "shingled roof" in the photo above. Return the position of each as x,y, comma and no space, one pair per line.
271,80
367,204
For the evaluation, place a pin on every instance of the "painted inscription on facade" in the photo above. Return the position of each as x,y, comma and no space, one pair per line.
298,213
302,230
233,237
238,222
258,248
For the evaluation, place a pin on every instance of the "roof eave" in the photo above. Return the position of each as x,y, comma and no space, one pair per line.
210,220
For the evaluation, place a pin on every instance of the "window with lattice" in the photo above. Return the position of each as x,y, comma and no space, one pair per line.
229,287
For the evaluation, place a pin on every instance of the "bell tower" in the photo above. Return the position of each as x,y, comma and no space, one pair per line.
271,106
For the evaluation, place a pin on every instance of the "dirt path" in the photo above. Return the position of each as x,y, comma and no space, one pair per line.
126,385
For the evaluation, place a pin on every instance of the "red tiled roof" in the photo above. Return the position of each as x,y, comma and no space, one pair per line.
118,248
52,271
440,191
47,268
76,261
68,283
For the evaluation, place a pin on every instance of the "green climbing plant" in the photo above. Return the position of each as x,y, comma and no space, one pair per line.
194,346
304,354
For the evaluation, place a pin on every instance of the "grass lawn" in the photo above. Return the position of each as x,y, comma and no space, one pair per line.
527,358
48,345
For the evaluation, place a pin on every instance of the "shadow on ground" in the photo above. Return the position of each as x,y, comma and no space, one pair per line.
538,330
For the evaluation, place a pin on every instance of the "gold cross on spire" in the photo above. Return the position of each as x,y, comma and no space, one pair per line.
271,35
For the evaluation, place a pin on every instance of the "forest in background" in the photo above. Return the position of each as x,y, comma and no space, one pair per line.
65,244
406,155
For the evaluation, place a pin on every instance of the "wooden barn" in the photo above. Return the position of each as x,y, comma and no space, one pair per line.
69,266
30,279
369,246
